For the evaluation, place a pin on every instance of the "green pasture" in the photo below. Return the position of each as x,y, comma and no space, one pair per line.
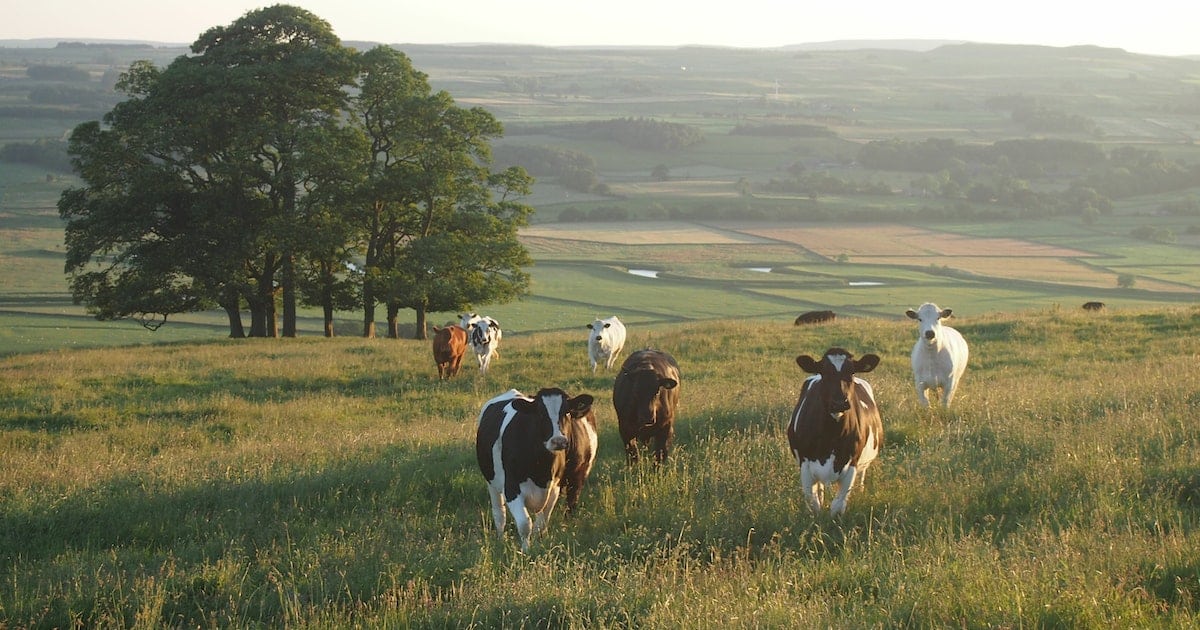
319,483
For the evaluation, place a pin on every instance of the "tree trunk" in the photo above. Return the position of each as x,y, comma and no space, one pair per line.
393,321
368,314
289,295
328,319
420,332
230,304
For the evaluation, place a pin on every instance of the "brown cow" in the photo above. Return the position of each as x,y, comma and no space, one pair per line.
1093,306
815,317
449,345
835,432
645,396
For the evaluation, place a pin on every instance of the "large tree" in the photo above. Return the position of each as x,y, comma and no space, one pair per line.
210,148
438,227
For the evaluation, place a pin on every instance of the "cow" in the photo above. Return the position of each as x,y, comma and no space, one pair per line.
606,338
835,431
815,317
484,336
526,447
939,357
645,397
1093,306
449,345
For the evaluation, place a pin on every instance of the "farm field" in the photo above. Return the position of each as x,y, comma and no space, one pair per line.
332,483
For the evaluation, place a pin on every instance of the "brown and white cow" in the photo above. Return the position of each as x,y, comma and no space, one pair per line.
529,448
835,432
645,396
449,346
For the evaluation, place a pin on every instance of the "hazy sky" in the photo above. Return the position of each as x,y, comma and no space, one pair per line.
1162,27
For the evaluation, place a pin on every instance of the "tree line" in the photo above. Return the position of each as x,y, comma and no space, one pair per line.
273,168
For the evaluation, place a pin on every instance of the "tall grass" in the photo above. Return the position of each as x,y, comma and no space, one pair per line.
331,483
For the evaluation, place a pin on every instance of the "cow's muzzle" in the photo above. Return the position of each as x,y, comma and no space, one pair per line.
558,443
929,335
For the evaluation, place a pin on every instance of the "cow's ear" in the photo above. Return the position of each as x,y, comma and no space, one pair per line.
667,383
526,406
866,363
581,404
808,364
493,324
911,313
945,313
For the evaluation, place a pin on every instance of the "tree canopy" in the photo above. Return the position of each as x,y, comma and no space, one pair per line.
275,167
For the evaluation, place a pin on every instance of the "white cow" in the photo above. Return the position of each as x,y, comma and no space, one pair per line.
939,357
484,336
606,338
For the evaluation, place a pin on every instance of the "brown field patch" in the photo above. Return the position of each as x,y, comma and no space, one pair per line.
640,233
903,240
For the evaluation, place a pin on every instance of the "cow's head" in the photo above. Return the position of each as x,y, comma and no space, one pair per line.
597,327
930,317
834,390
645,387
552,407
483,331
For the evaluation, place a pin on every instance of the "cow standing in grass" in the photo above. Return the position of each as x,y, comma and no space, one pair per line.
835,431
529,448
645,397
606,338
449,346
939,356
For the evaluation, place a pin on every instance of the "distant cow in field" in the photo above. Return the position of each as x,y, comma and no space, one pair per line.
484,336
835,432
449,346
815,317
606,338
645,396
1093,306
529,448
939,357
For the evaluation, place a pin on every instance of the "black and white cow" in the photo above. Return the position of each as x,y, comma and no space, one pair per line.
484,335
529,449
835,432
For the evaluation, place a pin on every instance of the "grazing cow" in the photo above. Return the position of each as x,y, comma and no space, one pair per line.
526,446
835,432
1093,306
645,396
485,339
606,338
815,317
449,345
939,356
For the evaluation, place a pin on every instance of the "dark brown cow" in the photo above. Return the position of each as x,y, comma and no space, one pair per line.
835,431
815,317
645,396
1093,306
449,346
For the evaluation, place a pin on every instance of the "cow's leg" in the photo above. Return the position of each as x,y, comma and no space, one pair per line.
543,515
521,520
812,489
921,397
948,391
498,515
846,484
662,444
631,450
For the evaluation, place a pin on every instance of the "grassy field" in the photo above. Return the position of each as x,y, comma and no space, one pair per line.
331,483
